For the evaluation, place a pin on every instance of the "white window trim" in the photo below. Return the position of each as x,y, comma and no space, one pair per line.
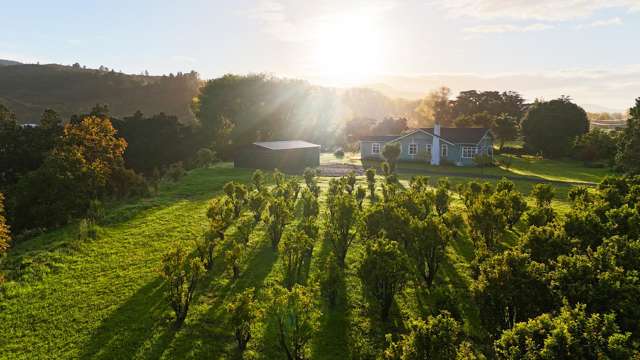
444,151
428,148
413,146
473,150
373,146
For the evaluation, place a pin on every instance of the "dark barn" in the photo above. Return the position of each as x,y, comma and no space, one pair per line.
290,156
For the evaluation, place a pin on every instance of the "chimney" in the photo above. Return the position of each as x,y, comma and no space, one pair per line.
435,145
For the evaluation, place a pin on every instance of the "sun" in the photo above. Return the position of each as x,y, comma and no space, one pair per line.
348,50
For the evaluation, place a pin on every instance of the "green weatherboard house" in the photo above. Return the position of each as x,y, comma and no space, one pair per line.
457,146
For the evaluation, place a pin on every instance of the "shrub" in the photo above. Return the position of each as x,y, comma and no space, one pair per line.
437,338
310,179
182,276
383,273
205,157
244,310
175,171
256,203
339,153
361,193
295,315
257,179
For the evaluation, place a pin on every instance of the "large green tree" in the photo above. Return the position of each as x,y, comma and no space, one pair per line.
628,156
550,127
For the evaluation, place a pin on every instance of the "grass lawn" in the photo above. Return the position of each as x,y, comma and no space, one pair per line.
104,298
524,166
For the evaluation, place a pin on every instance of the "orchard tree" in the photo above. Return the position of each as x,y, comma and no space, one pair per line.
628,156
182,276
543,193
383,273
487,221
5,235
256,203
293,249
436,338
544,244
237,194
551,127
596,145
331,282
310,179
510,288
295,315
257,179
277,218
391,153
244,311
341,226
371,183
427,246
220,214
572,334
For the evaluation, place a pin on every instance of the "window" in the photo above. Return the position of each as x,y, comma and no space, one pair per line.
468,152
444,150
429,148
413,149
375,148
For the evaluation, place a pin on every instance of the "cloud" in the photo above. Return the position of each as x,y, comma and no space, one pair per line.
546,10
504,28
602,23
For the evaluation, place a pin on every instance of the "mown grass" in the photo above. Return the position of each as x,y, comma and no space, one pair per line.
104,298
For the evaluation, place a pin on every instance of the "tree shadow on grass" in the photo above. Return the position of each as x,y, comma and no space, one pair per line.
136,326
208,335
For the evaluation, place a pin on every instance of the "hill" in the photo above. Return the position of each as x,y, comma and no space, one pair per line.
29,89
4,62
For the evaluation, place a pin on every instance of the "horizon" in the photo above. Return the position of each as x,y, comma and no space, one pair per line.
542,50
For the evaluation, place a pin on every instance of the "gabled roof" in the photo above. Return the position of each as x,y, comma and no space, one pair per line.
382,138
285,145
460,135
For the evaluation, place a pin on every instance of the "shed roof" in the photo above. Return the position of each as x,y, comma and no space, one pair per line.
460,135
286,144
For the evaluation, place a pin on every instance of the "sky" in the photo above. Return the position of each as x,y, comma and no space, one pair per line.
587,49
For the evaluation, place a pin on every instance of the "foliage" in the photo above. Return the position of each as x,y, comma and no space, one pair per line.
383,273
205,157
244,311
257,179
426,248
543,194
277,218
310,179
596,145
256,203
294,313
5,234
234,257
220,213
331,281
339,154
175,171
544,244
487,221
391,153
436,107
538,216
628,156
244,227
371,183
505,127
293,249
550,127
182,276
237,194
572,334
437,338
510,288
341,227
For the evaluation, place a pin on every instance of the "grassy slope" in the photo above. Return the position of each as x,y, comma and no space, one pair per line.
104,299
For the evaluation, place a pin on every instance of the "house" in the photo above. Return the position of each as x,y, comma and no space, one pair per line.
289,155
456,146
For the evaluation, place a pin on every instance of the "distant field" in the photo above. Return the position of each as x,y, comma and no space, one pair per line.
103,299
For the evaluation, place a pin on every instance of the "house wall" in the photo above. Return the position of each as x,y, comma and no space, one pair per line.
454,153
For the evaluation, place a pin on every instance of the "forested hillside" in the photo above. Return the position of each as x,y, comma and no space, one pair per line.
30,89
